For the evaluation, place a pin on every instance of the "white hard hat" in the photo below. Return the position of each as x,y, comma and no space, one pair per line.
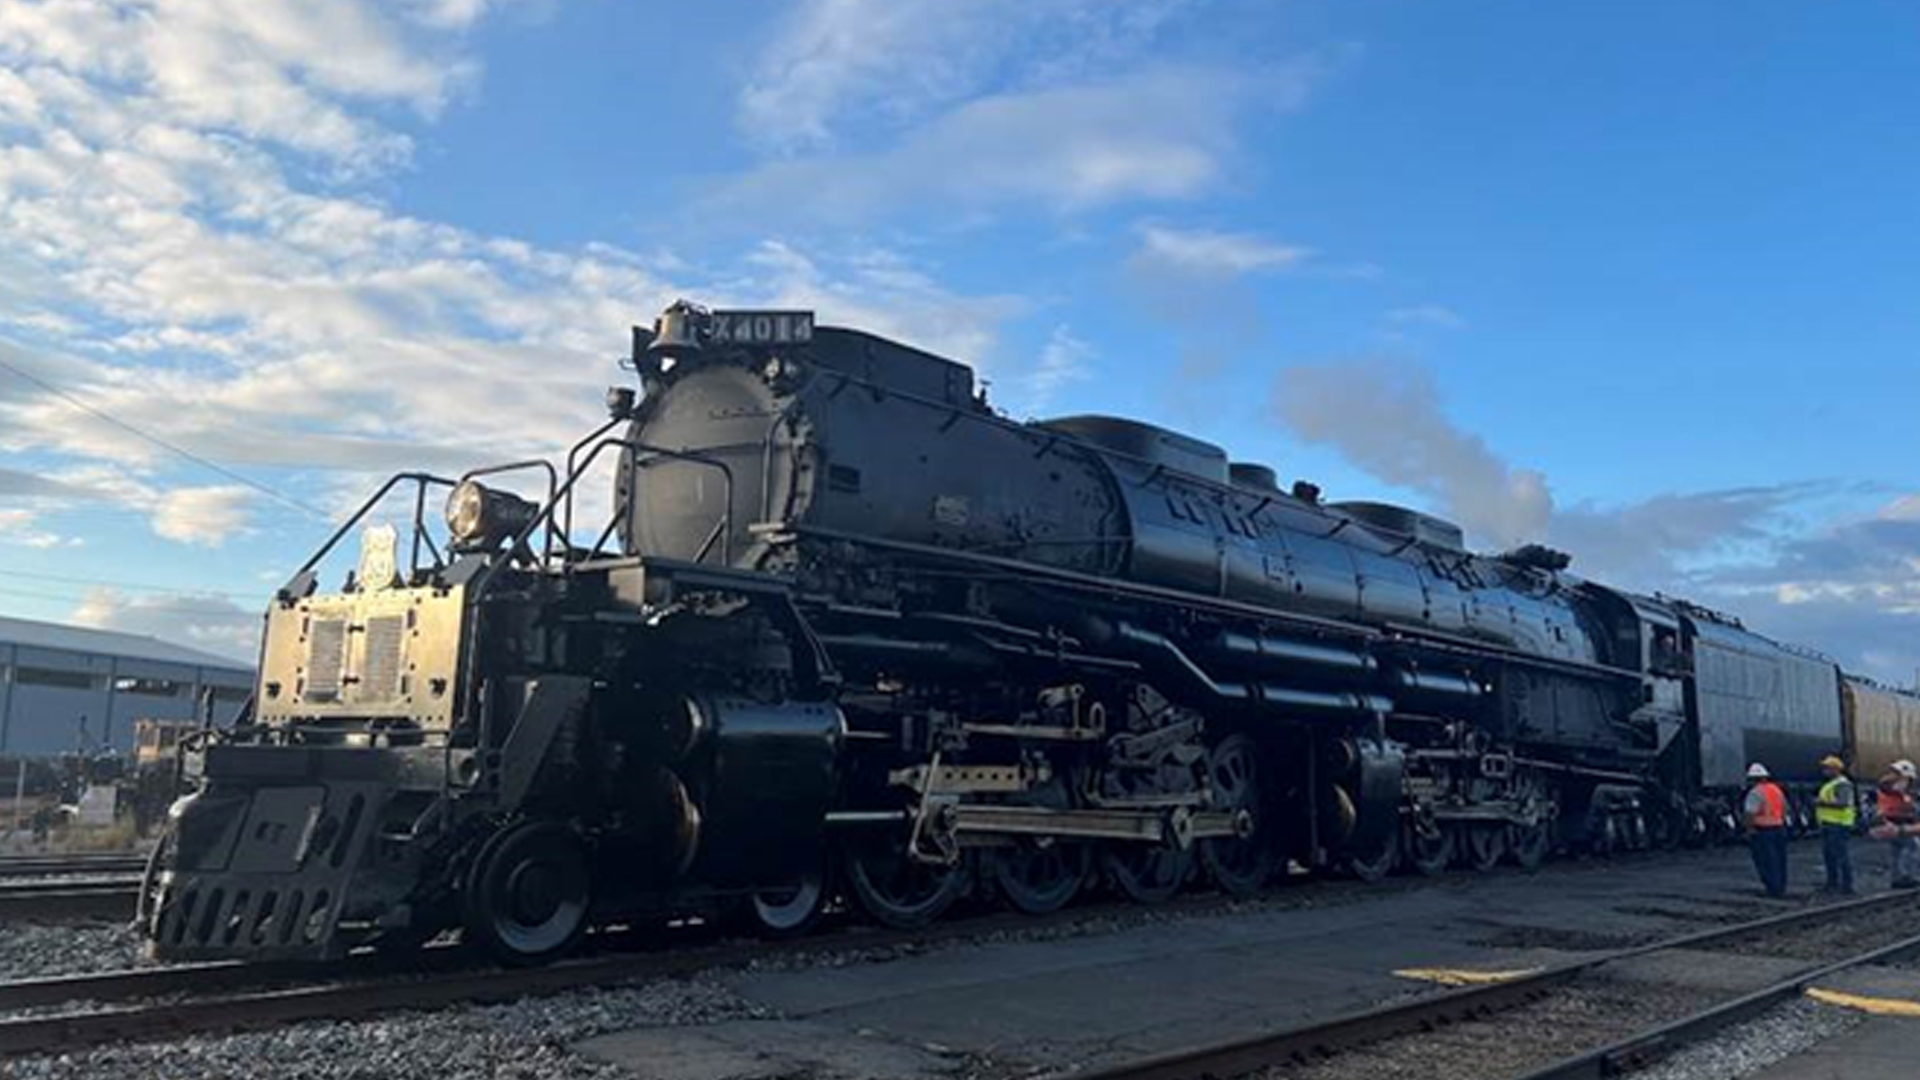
1904,768
1757,771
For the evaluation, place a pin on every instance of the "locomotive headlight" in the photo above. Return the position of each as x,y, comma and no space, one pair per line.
480,517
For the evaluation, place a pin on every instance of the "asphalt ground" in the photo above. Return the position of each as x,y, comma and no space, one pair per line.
1022,1006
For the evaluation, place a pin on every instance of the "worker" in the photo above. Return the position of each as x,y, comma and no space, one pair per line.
1766,814
1836,811
1899,824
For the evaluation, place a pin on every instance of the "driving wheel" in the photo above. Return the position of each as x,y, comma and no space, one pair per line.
1486,844
1039,877
901,892
528,893
1428,847
1239,865
1530,843
1146,873
1376,865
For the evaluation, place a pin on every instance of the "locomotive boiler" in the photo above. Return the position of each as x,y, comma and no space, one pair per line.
852,633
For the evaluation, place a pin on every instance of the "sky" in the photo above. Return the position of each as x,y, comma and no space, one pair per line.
1633,279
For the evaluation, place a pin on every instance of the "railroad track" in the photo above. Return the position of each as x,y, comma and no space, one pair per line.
70,1013
19,866
1500,1013
56,900
74,1012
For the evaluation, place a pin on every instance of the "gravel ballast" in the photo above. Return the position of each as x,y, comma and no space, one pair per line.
524,1040
1751,1047
42,950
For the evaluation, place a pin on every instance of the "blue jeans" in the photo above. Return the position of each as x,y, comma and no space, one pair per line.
1905,852
1770,859
1834,849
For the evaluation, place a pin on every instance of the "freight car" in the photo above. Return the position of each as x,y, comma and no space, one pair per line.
851,631
1882,725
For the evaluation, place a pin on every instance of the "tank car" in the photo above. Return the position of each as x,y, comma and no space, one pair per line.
849,631
1882,725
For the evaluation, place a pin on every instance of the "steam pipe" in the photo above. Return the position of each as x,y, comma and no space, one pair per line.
1289,651
1175,662
1436,682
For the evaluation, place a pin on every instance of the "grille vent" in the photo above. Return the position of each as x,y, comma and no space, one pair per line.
326,659
380,681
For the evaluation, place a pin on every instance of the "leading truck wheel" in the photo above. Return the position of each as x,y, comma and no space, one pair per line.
528,893
791,910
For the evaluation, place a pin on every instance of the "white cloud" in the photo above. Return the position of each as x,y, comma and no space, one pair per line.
832,63
1063,361
20,526
1163,133
878,291
1904,508
1210,253
1848,584
1426,315
204,516
206,293
211,622
280,71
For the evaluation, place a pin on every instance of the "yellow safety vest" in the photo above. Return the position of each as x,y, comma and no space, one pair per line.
1833,815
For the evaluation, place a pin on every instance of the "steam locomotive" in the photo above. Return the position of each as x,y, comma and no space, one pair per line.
852,634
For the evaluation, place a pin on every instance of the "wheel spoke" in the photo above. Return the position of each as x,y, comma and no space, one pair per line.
1039,879
1238,865
900,892
1429,849
1147,873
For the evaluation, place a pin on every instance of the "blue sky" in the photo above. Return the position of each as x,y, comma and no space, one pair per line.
1633,278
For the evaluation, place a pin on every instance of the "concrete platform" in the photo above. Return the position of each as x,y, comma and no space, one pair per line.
1041,1007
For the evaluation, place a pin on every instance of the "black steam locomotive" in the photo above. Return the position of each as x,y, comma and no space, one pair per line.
850,632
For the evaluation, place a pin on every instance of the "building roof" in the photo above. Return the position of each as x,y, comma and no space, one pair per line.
85,639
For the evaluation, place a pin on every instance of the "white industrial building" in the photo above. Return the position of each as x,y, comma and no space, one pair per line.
68,688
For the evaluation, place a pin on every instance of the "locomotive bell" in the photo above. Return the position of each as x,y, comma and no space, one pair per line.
676,332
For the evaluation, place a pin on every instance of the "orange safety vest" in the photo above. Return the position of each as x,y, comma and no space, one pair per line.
1894,805
1774,814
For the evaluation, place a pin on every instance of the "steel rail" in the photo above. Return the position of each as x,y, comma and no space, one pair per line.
242,996
237,996
1423,1015
1643,1048
46,865
67,900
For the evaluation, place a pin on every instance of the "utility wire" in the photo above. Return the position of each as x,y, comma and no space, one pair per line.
133,585
156,440
183,610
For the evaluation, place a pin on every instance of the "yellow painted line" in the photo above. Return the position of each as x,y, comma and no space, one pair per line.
1463,977
1875,1006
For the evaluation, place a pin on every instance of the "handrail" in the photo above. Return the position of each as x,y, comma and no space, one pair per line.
565,493
573,453
424,480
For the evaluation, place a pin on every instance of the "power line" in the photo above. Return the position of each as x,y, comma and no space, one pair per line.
133,585
175,610
156,440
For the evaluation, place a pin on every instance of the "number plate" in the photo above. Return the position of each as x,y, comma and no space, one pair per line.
762,327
